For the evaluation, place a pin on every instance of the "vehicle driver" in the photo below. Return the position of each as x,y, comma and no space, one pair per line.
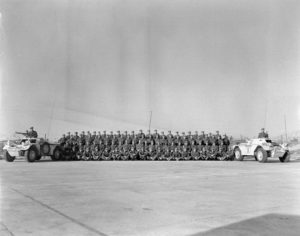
32,133
263,134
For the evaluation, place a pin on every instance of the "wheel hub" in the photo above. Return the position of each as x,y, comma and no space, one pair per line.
259,155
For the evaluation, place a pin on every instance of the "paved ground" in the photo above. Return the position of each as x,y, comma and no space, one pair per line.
149,198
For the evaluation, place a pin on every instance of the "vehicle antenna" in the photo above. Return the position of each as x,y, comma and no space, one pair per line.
286,137
266,110
150,120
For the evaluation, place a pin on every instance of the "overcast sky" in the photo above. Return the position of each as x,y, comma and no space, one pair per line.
228,65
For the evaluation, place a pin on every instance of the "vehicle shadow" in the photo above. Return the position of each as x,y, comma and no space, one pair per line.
269,224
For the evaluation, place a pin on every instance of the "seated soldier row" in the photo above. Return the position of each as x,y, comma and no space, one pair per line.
150,146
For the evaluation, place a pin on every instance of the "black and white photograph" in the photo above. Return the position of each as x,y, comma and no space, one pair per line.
149,117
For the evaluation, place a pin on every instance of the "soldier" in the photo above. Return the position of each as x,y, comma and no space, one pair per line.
177,139
87,153
176,155
262,134
167,153
80,153
93,136
159,153
203,135
115,154
142,153
124,152
32,133
106,155
62,140
221,155
226,142
217,135
149,137
214,151
151,152
133,155
104,136
96,154
88,139
82,139
196,136
172,146
141,135
170,137
195,155
156,134
185,154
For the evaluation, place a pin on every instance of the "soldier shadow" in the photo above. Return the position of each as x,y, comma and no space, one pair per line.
269,224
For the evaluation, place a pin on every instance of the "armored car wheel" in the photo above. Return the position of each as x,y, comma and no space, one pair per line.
8,157
57,154
285,158
32,154
261,155
238,154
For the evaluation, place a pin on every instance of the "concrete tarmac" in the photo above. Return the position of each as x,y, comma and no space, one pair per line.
149,198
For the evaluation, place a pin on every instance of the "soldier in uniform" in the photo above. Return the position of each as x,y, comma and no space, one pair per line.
106,155
124,152
262,134
214,151
159,153
80,152
195,155
170,137
167,153
96,154
62,140
156,135
151,151
176,155
142,155
115,154
87,153
32,133
221,151
226,142
185,154
133,155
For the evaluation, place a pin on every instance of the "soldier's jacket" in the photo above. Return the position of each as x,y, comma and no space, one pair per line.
62,141
222,148
115,152
195,154
185,153
142,153
214,148
32,134
167,153
170,138
172,147
177,140
176,154
226,141
139,146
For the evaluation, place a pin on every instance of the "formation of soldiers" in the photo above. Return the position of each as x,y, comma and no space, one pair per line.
150,146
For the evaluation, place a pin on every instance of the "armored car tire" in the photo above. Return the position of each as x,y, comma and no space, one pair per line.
8,157
285,158
261,155
32,154
57,154
238,154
